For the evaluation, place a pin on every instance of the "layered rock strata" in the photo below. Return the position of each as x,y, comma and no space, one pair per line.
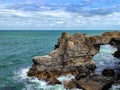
72,55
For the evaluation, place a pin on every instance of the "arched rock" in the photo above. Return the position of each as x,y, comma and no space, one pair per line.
72,55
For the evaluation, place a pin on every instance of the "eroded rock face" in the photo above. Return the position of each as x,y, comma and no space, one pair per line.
72,55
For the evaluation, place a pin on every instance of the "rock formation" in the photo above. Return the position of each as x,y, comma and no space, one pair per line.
94,82
73,55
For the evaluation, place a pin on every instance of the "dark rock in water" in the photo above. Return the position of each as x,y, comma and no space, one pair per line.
107,86
108,72
117,54
73,55
118,75
82,75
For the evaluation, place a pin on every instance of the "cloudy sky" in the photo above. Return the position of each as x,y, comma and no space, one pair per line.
59,14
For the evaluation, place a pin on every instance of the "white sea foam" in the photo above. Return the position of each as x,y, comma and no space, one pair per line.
23,73
107,49
35,84
115,87
31,83
66,78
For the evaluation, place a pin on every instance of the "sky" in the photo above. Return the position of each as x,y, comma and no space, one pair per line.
59,14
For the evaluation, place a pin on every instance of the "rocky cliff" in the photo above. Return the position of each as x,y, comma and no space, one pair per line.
72,55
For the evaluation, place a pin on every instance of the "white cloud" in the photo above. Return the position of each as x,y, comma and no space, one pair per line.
8,13
56,19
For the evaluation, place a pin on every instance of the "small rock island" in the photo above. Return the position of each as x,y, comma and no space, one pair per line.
73,54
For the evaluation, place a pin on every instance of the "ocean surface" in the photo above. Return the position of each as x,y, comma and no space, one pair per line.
18,47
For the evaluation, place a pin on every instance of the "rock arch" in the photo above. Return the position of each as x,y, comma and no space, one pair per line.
73,54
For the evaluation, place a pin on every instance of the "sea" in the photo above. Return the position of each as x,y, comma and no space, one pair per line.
17,47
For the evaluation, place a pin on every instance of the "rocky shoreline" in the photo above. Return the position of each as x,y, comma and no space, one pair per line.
73,54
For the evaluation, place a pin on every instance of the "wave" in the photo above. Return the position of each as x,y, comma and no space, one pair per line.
35,84
32,83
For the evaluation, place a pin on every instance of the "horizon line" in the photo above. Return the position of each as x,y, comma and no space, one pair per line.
60,30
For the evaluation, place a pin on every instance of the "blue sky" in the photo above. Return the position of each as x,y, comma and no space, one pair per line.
59,14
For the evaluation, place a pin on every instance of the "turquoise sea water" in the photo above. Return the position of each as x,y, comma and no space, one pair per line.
18,47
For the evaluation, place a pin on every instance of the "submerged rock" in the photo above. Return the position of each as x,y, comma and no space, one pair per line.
73,55
108,72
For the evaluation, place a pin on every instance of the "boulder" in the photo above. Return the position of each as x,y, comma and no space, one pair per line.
96,82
